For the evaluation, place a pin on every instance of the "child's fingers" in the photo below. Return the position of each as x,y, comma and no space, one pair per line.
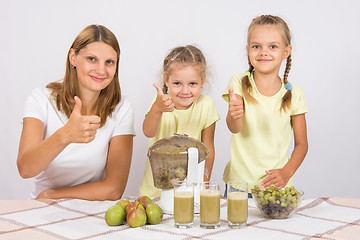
158,89
232,96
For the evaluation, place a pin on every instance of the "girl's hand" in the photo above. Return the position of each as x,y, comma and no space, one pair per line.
278,177
163,103
236,105
80,128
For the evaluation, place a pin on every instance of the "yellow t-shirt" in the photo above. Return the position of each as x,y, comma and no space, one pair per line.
191,121
264,140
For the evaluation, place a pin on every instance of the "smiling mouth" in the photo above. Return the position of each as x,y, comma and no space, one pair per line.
264,60
96,79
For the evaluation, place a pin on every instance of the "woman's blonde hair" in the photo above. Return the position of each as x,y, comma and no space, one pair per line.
64,91
245,81
183,56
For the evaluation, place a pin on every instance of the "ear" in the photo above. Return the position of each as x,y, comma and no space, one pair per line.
247,49
72,57
287,51
166,80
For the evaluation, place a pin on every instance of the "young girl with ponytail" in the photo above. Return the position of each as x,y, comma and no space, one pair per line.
264,109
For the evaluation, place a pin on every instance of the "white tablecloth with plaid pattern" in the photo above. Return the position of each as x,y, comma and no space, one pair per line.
322,218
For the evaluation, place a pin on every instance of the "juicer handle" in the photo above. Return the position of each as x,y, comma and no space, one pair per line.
192,168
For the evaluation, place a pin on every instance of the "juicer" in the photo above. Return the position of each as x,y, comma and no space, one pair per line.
177,158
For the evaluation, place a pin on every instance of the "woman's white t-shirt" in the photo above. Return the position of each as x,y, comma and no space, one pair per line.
78,163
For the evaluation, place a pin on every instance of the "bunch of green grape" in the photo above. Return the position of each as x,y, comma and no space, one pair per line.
276,203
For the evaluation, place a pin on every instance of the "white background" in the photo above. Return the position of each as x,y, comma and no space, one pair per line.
36,35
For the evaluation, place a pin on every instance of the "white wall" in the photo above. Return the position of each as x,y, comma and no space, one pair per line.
36,35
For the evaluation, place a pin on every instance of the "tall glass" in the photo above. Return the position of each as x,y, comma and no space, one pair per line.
183,204
209,205
237,201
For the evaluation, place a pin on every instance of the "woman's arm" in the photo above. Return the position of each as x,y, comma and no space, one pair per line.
35,154
113,186
207,137
280,177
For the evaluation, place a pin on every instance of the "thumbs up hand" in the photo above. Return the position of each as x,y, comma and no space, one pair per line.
80,128
236,105
163,103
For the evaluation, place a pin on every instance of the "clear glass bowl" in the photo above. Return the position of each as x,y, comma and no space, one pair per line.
278,207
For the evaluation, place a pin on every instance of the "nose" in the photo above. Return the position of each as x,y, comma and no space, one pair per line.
263,53
100,69
185,89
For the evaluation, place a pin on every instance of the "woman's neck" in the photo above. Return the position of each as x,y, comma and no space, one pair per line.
89,100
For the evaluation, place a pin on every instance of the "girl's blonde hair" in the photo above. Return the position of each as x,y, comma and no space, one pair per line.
245,81
183,56
65,91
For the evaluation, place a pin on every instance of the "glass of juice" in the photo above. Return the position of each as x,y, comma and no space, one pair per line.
237,204
209,205
183,204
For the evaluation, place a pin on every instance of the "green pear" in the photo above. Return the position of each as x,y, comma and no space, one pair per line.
123,203
115,215
154,213
136,217
145,201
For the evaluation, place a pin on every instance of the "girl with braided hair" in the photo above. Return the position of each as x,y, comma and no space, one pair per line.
264,109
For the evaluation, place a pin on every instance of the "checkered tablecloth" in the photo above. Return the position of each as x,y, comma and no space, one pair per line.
322,218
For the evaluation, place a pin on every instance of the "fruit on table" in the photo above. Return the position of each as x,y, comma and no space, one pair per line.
145,201
154,213
123,203
115,215
131,205
136,217
136,213
276,203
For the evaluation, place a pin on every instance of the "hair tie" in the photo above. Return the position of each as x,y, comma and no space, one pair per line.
288,86
248,74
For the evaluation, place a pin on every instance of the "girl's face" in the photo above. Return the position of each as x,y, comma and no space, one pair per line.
95,66
266,48
184,84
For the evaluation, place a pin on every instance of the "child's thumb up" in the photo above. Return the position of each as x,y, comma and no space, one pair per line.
232,96
158,89
78,105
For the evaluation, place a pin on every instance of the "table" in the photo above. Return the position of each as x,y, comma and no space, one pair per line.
321,218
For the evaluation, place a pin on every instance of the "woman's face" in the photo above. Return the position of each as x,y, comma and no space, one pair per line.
95,66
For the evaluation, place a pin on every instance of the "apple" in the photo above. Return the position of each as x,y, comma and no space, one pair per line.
136,217
154,213
115,215
123,203
145,201
131,205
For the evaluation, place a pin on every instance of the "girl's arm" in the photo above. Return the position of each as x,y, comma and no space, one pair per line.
207,137
280,177
152,120
113,186
235,112
35,154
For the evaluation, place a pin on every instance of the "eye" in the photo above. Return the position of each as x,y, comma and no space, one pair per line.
193,83
91,59
255,46
110,62
176,83
273,46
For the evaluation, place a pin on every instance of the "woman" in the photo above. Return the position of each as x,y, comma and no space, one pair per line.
77,135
